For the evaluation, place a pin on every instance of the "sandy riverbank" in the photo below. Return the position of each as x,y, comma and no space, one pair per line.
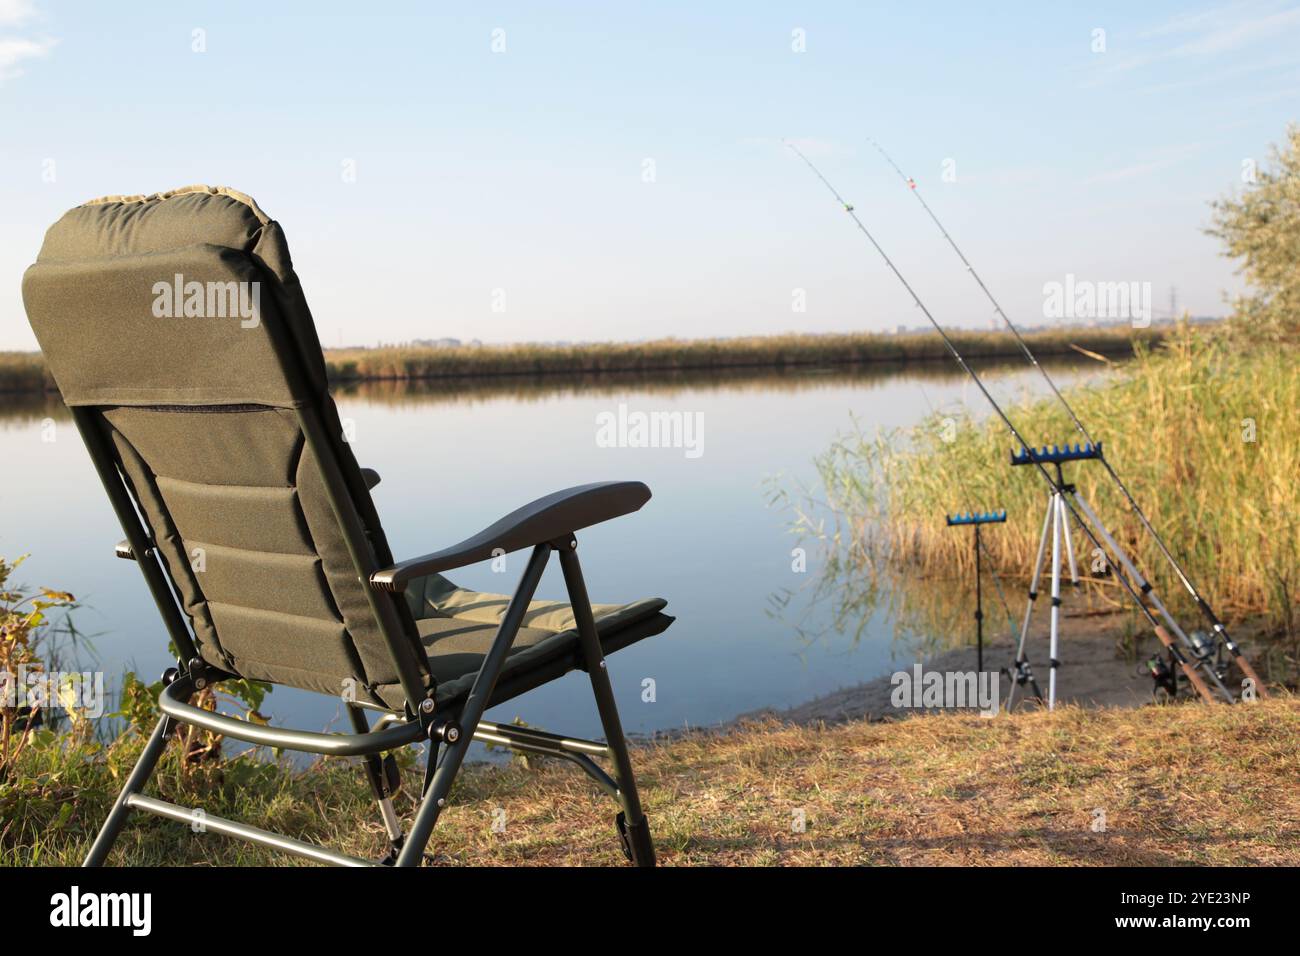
1096,671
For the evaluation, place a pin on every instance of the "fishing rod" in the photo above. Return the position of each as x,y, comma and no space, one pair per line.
1031,457
1202,604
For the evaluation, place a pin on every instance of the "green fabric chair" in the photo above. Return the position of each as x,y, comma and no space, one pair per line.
180,339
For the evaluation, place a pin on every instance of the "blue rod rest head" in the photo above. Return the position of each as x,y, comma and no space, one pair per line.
1056,454
977,517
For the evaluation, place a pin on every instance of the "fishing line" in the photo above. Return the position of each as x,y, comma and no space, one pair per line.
1201,603
957,356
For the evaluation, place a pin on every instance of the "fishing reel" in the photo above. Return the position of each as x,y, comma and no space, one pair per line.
1165,677
1210,651
1206,651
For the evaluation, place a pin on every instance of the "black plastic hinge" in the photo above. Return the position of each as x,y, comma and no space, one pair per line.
392,776
200,674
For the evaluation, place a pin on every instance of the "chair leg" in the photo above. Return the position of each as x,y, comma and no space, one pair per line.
383,784
633,827
134,784
484,683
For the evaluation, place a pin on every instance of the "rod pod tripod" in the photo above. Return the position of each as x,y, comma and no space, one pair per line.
975,519
1057,522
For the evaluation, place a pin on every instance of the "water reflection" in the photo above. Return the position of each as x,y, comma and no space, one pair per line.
753,630
929,614
532,388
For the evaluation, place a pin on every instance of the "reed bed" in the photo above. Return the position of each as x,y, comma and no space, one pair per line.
1203,435
666,355
25,371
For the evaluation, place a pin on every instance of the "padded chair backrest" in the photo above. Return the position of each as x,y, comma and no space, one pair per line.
177,321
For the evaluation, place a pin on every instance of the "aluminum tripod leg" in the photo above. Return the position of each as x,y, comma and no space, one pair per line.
1069,544
979,608
1053,662
1021,663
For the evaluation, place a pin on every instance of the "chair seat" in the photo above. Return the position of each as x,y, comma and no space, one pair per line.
457,626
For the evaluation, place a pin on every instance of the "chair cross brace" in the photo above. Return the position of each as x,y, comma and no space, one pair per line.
394,731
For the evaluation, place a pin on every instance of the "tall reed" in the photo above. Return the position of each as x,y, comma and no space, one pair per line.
1203,435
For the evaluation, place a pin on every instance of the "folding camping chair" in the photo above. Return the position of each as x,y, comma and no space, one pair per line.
180,339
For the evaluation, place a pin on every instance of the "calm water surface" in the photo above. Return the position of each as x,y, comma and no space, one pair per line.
454,461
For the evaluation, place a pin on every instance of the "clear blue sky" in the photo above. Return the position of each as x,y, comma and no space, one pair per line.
522,170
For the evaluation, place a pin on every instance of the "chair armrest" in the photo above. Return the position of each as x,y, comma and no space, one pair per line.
543,520
370,477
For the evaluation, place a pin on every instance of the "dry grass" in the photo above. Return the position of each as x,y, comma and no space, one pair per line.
1206,785
1182,784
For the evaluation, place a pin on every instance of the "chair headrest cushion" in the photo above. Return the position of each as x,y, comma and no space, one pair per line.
183,297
